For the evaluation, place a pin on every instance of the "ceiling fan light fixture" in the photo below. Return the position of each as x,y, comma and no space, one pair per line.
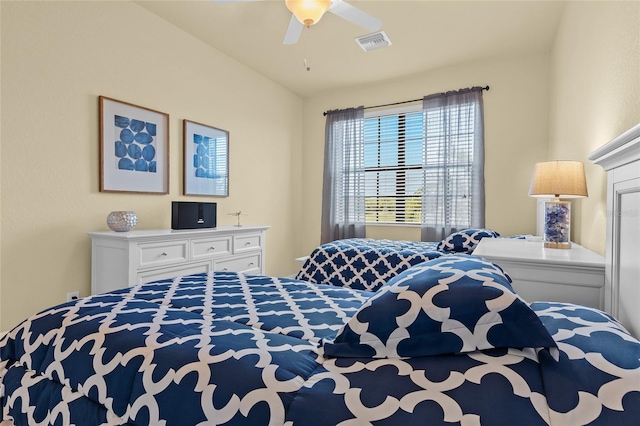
308,12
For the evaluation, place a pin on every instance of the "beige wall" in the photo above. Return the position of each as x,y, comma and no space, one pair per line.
595,96
57,58
516,131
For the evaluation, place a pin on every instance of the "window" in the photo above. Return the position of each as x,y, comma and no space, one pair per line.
393,152
422,166
419,165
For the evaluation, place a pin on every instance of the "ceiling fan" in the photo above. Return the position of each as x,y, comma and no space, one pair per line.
309,12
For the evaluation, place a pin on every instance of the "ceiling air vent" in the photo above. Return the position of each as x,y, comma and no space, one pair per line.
373,41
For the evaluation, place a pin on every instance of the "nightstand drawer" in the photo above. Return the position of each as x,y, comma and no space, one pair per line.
574,275
239,264
243,243
210,247
536,283
163,253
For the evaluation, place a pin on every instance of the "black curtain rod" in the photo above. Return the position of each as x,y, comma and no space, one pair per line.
397,103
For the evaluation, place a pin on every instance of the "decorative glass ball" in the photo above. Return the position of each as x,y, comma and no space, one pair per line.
122,221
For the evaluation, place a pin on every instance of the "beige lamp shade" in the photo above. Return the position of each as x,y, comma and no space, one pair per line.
308,12
564,179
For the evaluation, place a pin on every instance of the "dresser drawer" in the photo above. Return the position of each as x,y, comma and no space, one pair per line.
244,243
210,247
173,272
163,253
239,264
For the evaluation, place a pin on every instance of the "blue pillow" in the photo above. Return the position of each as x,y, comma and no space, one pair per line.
453,304
465,241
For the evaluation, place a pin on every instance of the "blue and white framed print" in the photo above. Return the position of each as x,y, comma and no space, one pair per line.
206,160
134,148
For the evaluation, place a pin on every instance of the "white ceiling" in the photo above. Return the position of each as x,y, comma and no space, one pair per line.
426,35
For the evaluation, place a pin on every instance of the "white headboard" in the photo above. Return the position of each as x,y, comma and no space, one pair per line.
621,160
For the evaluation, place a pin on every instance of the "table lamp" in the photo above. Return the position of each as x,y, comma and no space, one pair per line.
557,179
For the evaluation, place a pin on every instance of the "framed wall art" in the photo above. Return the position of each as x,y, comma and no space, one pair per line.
134,148
206,160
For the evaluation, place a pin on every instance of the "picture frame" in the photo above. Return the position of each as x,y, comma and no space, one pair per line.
206,160
134,148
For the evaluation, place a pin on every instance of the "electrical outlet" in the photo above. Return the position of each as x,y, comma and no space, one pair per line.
74,295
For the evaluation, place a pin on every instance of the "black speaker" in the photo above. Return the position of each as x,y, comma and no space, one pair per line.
192,215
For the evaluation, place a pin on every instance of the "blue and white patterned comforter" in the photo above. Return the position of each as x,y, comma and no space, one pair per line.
364,263
226,348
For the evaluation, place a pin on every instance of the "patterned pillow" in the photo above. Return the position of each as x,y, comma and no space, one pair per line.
452,304
465,241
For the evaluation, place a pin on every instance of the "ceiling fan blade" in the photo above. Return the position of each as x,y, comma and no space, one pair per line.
293,31
355,15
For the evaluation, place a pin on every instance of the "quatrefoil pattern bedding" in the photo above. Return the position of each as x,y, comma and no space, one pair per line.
449,305
232,349
364,263
465,241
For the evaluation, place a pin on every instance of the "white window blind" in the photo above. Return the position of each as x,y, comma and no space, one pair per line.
419,158
349,165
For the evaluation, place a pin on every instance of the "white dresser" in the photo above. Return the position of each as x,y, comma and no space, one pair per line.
574,275
122,259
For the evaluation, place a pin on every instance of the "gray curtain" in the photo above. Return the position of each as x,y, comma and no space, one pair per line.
343,206
452,120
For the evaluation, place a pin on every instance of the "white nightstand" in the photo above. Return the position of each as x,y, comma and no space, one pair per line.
301,260
574,275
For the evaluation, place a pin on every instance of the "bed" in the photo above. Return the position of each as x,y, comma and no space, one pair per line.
367,263
620,158
444,342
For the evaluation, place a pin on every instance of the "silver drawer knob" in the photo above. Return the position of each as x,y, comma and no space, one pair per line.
163,254
212,248
248,243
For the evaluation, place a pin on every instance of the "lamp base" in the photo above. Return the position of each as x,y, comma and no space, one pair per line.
557,224
566,245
